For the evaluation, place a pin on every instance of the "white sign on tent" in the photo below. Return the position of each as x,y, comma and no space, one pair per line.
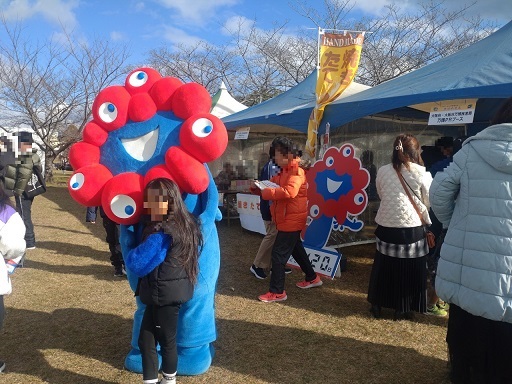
452,112
242,133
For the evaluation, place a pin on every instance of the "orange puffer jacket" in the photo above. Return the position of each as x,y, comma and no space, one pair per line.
289,201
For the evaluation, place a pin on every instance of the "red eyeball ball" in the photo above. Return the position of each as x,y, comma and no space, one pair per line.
191,99
122,198
86,184
163,91
110,108
82,154
204,136
141,80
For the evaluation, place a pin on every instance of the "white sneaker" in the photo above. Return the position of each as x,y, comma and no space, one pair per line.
168,379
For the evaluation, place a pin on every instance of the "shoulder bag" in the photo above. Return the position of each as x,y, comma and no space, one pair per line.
36,185
429,236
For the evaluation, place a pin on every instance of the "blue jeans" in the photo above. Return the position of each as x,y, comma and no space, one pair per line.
90,214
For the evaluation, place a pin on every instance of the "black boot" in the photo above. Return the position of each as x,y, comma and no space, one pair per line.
375,310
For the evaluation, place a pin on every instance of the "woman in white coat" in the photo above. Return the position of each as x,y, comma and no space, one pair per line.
12,248
398,279
472,197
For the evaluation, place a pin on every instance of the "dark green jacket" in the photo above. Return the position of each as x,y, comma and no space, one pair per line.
18,175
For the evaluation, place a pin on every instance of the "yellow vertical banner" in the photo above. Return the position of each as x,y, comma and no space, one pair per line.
339,58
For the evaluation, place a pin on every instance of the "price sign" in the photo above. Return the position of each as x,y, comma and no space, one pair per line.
242,133
325,261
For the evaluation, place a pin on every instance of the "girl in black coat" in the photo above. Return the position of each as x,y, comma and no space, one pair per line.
166,261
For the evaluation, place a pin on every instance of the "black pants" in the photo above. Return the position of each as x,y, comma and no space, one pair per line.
159,325
112,231
24,207
286,244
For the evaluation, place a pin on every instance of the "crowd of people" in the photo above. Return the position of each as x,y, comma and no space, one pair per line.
16,227
463,198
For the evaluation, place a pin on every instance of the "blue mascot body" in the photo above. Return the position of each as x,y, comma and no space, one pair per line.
156,127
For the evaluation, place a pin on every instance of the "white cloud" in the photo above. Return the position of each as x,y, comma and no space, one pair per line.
117,36
59,12
234,23
195,10
489,9
60,38
372,7
178,36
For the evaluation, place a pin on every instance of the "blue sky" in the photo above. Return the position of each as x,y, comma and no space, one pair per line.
147,24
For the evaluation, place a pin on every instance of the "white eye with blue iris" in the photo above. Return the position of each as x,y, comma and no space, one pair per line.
202,127
329,161
347,151
123,206
77,181
359,199
138,79
314,211
107,112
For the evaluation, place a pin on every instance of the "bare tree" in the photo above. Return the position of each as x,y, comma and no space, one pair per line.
401,41
256,64
202,63
51,85
259,64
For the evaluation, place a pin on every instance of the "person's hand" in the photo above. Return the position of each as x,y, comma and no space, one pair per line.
255,190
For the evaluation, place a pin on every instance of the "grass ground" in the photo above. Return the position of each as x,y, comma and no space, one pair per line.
69,319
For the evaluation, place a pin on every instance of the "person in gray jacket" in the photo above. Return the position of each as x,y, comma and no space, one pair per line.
472,197
17,177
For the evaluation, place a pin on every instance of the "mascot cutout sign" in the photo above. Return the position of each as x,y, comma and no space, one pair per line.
155,127
336,193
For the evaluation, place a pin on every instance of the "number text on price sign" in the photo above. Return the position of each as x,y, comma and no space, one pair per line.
324,261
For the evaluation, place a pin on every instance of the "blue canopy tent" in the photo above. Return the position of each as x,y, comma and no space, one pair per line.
290,109
370,119
482,70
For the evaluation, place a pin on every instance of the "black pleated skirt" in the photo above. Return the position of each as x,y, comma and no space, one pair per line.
399,283
480,349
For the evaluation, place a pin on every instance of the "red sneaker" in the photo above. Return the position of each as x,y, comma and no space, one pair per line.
270,297
310,284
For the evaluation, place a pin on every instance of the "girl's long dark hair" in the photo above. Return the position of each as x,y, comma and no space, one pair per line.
184,227
406,149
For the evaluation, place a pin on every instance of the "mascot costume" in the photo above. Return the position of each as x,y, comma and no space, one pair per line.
155,127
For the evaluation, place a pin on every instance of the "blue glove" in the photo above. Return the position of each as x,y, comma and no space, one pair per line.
145,257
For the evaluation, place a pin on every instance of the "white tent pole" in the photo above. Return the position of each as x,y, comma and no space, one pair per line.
320,33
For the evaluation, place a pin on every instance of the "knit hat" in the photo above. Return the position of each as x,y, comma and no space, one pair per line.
25,137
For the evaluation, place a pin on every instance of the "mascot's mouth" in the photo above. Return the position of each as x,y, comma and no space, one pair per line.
142,147
333,185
